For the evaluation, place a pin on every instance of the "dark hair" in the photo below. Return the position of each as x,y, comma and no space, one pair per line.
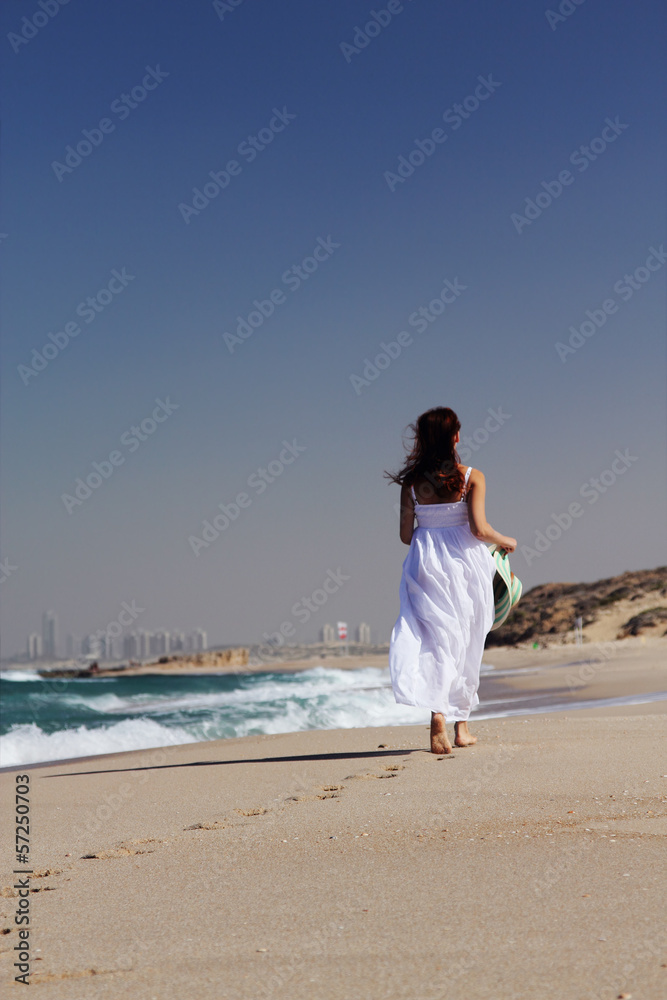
433,455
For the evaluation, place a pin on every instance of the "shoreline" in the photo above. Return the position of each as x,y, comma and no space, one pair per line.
529,683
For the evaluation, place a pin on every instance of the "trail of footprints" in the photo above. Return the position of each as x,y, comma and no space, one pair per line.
147,845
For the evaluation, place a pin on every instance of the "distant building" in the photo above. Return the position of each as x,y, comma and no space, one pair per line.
72,646
107,647
364,634
197,641
34,647
50,635
131,646
177,642
144,645
136,646
92,647
160,644
327,633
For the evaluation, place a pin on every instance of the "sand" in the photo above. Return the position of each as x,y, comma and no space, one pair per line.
322,865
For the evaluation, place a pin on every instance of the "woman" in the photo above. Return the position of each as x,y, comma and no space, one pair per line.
446,591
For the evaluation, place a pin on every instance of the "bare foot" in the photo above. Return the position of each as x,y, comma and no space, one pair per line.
462,738
439,739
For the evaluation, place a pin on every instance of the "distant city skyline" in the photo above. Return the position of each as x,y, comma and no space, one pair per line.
116,644
111,643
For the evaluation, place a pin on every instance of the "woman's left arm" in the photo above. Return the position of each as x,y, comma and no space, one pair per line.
407,521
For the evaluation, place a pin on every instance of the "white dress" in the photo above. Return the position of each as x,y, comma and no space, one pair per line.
447,609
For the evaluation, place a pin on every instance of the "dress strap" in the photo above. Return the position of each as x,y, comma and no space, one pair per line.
465,482
414,496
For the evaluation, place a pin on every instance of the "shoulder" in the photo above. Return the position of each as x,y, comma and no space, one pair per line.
476,477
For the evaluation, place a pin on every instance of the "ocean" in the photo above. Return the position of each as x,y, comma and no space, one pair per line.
54,719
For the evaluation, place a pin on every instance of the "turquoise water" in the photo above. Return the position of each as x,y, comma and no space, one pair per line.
53,719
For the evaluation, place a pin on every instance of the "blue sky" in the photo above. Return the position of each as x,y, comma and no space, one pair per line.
341,122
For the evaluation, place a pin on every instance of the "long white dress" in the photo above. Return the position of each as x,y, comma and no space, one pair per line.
447,609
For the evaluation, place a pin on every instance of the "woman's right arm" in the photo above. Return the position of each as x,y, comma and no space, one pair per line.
479,525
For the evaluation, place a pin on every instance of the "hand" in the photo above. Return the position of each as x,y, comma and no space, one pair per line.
509,545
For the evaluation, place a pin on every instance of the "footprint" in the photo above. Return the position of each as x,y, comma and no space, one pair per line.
332,788
9,892
114,852
215,825
329,795
123,850
394,767
364,777
252,812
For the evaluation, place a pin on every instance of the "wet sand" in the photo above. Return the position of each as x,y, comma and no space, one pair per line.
354,863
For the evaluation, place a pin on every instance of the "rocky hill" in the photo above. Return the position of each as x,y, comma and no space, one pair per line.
634,603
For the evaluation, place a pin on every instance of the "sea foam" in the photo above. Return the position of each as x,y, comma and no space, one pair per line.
28,744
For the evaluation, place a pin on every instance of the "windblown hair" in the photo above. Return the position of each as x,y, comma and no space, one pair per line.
433,455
